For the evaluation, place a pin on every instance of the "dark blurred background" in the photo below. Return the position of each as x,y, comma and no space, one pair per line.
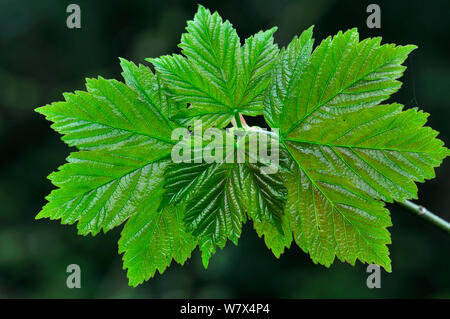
40,58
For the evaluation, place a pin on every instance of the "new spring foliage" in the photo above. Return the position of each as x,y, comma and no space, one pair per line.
345,150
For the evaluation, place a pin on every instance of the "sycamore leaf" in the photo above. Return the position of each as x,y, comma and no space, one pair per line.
210,191
329,219
286,72
218,194
109,115
343,73
148,86
151,239
266,194
124,132
265,191
100,190
275,240
347,151
266,199
125,135
213,202
217,77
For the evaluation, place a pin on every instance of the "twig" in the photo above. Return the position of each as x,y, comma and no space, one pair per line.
424,213
239,120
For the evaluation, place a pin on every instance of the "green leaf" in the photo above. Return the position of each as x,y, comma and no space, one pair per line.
148,86
275,240
257,56
217,77
109,115
266,199
344,73
218,194
264,187
152,239
347,151
213,202
382,148
124,134
286,72
266,194
100,190
330,218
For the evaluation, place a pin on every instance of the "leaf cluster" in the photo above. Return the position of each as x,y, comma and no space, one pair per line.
343,150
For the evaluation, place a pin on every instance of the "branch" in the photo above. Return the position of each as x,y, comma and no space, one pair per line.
424,213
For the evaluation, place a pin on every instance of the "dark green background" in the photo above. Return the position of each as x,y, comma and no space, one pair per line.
40,58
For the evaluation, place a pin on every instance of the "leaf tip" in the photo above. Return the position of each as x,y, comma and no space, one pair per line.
40,215
124,62
206,255
41,109
387,266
